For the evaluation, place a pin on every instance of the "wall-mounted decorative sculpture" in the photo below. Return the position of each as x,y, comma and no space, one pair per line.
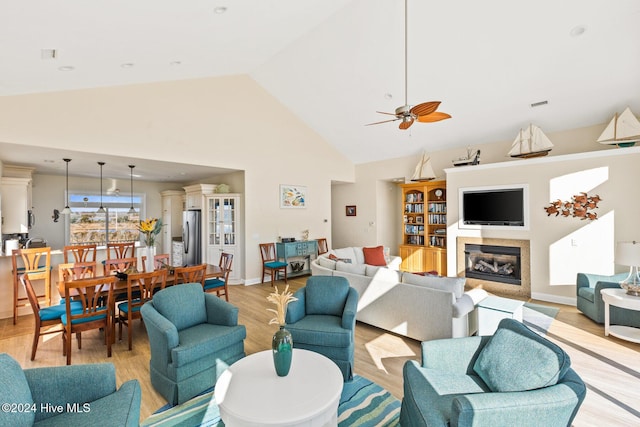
580,206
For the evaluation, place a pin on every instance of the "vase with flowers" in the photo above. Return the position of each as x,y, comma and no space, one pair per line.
150,228
282,342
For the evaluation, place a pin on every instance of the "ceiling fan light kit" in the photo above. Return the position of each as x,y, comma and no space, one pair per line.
424,112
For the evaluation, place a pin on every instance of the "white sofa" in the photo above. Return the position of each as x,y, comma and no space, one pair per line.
420,307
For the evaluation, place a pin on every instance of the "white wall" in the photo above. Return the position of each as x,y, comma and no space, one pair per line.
226,122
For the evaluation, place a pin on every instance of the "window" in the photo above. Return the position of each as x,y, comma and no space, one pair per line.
116,225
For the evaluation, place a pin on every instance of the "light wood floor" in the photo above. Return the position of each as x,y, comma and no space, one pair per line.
610,367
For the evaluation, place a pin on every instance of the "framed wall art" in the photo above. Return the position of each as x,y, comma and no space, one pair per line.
293,196
351,210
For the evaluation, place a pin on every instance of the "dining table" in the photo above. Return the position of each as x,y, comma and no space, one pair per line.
212,271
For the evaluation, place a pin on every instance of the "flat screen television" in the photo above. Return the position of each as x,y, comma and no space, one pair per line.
494,207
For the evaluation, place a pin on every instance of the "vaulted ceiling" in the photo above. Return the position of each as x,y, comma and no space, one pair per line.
334,63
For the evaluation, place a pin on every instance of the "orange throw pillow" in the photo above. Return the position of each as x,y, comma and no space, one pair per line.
374,256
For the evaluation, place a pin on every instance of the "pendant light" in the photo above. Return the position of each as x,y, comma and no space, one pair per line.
101,209
67,209
131,209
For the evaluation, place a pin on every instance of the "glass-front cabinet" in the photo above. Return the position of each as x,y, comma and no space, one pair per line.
222,229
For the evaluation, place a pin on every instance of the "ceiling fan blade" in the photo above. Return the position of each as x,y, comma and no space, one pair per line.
433,117
384,121
406,124
425,108
382,112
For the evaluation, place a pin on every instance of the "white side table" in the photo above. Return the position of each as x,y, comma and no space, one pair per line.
492,310
249,393
619,298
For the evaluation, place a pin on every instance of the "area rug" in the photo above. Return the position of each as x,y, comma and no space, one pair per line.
363,404
538,317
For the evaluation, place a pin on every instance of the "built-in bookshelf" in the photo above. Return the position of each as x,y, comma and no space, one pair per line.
424,228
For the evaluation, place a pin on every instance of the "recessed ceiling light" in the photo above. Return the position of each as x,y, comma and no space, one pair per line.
388,96
539,103
578,30
220,10
127,65
66,68
175,63
48,161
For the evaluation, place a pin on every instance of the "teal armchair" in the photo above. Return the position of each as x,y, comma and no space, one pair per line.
193,336
589,299
323,319
491,381
79,395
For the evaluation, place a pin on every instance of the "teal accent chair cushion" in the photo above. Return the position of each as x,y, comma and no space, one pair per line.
100,314
90,389
323,320
213,283
326,296
589,299
275,264
518,359
15,389
193,337
57,311
445,390
184,307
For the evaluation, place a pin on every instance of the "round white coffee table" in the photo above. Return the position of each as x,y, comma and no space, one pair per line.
619,298
250,393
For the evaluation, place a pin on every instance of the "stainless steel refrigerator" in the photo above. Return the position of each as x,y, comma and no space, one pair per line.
192,237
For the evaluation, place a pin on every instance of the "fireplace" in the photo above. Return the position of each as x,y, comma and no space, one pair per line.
494,283
493,263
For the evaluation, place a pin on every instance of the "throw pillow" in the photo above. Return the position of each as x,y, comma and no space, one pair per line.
374,256
345,253
335,258
518,359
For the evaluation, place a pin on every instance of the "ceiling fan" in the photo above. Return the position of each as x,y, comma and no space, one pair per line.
424,112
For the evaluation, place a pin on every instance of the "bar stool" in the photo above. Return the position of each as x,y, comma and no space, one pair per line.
37,263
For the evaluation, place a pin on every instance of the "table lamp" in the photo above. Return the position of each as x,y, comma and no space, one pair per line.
628,253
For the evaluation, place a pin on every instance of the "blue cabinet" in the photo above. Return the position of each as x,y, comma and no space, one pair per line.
298,255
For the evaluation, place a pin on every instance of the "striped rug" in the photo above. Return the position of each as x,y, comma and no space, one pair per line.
362,404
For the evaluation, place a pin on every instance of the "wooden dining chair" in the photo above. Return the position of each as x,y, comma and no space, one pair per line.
323,248
48,320
96,298
79,253
36,262
270,264
74,271
217,284
121,250
190,274
119,265
140,289
159,261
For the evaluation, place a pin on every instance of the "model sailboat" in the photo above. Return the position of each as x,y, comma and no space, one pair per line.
424,170
530,142
622,130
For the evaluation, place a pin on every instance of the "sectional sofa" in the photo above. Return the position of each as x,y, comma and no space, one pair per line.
421,307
